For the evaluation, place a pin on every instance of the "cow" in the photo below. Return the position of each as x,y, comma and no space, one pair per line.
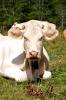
64,33
22,54
1,36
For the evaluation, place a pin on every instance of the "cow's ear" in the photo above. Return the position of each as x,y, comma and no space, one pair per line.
49,31
16,31
51,36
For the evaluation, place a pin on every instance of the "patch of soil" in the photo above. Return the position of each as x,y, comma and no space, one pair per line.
35,91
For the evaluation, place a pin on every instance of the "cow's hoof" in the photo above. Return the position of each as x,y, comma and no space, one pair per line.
47,74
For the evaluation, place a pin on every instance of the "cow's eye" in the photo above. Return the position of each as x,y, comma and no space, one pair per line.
26,38
23,27
42,26
40,38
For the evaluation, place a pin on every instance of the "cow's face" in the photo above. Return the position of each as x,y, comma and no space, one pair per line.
33,40
33,32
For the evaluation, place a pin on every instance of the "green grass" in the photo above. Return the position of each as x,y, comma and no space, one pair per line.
54,88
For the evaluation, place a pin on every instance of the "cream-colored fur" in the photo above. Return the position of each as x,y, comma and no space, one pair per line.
15,49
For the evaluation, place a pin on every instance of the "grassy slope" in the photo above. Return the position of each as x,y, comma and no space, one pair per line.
54,88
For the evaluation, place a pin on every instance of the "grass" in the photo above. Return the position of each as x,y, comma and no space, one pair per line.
54,88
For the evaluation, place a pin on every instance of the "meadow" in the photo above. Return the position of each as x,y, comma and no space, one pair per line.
54,88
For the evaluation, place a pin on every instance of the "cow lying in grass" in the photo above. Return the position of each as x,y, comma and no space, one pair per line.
22,55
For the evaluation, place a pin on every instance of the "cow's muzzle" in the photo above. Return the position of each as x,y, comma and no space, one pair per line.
33,54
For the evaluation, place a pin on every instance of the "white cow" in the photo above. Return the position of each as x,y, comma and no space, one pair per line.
22,55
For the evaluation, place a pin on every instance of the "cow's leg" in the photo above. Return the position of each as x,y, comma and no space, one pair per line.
47,73
29,74
15,73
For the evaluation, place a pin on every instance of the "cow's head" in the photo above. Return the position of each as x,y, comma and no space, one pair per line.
33,33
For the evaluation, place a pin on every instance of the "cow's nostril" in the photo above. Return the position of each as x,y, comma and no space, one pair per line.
33,53
30,53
